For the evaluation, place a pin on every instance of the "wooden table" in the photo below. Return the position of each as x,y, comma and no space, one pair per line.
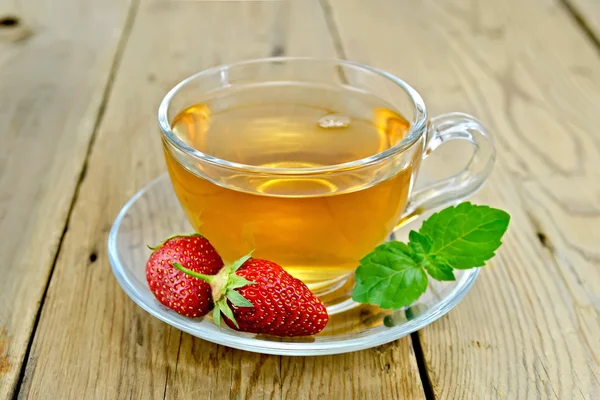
80,81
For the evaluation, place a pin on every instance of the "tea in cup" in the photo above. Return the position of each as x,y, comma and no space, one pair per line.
310,163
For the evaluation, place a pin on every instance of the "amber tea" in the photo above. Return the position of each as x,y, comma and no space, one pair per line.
309,162
317,226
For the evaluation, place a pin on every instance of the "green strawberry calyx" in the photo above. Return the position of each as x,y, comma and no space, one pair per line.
223,286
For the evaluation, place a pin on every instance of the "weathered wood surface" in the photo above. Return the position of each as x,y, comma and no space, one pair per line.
107,346
528,69
530,328
55,66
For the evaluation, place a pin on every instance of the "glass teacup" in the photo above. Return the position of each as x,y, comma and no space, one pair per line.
309,163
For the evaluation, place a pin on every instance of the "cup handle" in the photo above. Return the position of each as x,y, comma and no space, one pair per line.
450,190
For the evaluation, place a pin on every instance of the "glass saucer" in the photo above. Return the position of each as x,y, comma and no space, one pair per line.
154,214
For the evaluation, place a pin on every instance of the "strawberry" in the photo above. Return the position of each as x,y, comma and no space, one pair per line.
179,291
258,296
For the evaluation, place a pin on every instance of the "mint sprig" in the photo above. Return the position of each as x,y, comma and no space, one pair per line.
462,237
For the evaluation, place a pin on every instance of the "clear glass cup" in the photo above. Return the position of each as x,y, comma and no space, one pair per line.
315,219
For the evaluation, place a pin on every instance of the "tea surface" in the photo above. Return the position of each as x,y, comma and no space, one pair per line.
317,228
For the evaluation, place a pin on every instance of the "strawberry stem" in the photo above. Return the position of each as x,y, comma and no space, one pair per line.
206,278
222,287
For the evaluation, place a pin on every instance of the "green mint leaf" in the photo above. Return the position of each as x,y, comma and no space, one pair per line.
419,245
237,299
461,237
466,235
398,248
439,268
436,266
389,277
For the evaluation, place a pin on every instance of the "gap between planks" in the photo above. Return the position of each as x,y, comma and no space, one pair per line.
132,12
581,22
415,340
333,29
422,365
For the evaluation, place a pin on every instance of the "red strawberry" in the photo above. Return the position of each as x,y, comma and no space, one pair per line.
179,291
267,299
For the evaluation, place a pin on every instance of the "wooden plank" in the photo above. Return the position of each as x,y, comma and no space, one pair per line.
522,321
529,328
567,213
109,348
388,371
55,65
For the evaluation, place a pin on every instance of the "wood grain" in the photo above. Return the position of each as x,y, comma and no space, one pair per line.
529,328
388,371
92,341
566,213
55,65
